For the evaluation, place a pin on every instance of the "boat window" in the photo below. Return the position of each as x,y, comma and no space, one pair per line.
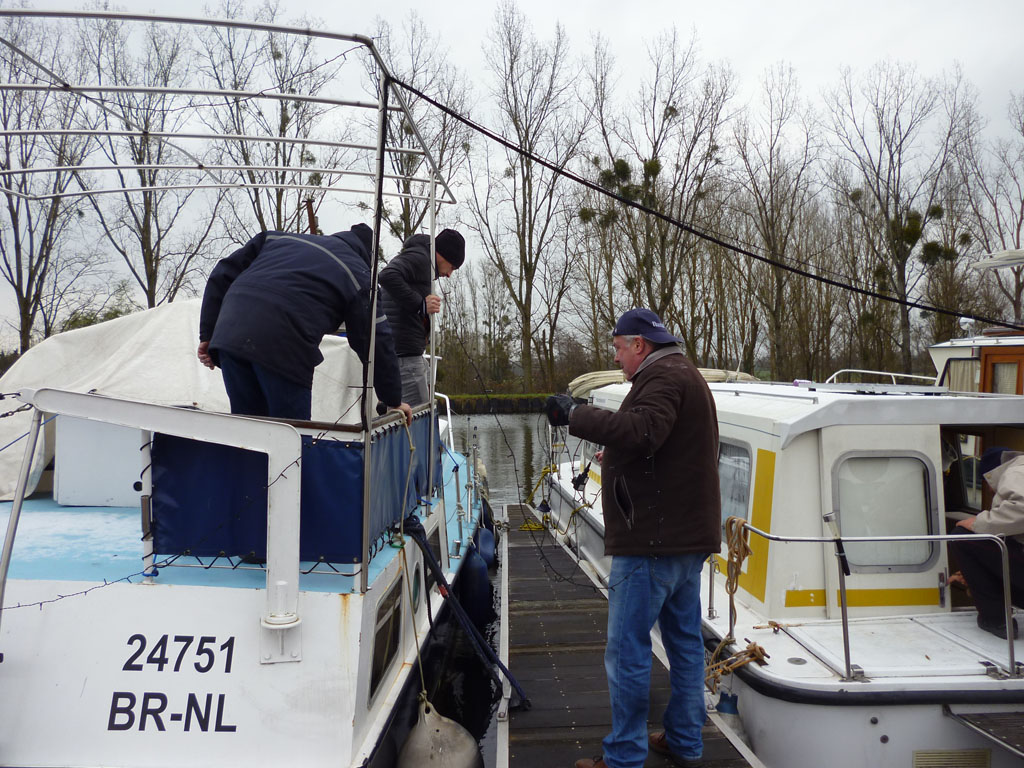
734,480
884,496
386,634
962,374
969,465
435,549
1004,378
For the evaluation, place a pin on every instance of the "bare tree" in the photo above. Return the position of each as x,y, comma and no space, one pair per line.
34,232
991,174
881,125
776,151
416,56
517,210
664,151
159,224
272,63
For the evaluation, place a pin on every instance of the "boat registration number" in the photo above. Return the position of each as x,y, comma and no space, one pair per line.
155,710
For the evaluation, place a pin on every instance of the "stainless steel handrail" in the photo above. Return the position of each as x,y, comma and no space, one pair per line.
1012,669
890,374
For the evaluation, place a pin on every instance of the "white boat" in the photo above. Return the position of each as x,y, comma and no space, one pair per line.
874,668
205,589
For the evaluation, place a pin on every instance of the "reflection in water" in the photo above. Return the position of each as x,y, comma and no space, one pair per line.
513,447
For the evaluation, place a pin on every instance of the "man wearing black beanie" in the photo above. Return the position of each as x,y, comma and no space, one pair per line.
408,302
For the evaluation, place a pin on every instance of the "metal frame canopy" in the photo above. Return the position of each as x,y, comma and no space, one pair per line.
193,145
94,94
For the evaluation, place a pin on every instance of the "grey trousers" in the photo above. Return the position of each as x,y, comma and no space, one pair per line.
414,379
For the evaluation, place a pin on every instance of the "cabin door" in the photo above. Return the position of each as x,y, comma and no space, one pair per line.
882,481
1001,371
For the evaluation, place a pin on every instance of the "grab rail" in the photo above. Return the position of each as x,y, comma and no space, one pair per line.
280,442
890,374
1012,669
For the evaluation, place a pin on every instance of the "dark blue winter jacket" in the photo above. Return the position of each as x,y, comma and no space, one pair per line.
274,299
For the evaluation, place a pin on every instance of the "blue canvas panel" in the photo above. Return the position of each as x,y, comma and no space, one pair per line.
208,499
211,500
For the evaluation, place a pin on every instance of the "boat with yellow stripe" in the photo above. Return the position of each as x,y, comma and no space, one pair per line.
883,665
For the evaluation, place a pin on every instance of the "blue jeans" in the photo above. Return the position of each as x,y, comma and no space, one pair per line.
643,590
255,390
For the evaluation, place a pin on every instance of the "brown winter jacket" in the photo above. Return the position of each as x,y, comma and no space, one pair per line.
659,475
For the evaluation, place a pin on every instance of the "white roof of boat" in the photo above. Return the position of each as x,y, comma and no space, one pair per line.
789,410
1008,340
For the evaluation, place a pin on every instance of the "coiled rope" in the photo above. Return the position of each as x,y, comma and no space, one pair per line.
737,538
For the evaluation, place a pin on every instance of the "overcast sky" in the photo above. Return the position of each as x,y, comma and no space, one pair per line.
817,38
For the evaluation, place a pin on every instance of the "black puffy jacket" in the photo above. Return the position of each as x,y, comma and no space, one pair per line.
406,281
276,297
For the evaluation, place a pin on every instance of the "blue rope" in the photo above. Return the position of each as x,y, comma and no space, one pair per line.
24,435
413,527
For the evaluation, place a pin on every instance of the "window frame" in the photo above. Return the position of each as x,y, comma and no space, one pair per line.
735,443
931,507
374,690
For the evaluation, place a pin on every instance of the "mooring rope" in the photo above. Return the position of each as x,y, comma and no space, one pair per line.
737,538
415,529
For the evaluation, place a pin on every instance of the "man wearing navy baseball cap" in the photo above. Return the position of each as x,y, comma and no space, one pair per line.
662,516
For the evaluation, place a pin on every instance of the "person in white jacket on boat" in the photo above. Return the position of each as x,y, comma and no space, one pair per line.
979,560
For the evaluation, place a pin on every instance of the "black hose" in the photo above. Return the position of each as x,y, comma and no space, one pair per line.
414,528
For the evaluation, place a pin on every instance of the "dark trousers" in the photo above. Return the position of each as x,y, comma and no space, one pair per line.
257,391
982,566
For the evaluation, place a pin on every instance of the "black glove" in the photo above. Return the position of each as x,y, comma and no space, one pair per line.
558,409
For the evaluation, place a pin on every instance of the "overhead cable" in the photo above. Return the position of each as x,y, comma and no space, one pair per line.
594,186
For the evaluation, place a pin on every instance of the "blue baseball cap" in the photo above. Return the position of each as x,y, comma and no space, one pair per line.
643,322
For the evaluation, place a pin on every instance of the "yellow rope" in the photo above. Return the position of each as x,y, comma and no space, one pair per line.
737,538
543,473
531,525
568,522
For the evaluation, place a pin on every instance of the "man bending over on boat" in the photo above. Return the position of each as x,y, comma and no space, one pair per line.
980,561
409,301
662,516
268,305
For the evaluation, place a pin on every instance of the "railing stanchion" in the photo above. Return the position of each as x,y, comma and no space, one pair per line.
712,613
853,672
846,616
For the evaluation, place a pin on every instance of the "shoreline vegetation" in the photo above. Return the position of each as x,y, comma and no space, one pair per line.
497,403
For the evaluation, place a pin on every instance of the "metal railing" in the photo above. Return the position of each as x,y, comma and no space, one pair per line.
832,379
1012,668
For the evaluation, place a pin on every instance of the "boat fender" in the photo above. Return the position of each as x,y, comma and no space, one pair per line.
475,591
487,515
438,740
728,709
484,540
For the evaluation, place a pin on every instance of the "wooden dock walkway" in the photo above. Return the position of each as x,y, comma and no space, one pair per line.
557,626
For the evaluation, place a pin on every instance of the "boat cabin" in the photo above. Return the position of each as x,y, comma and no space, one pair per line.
882,460
991,362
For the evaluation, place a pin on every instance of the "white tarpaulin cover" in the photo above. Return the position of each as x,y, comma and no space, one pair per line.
148,356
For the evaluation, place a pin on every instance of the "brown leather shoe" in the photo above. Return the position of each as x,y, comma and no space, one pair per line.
659,743
592,762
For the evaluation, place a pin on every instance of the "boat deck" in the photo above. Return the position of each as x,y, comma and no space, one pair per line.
104,545
557,638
